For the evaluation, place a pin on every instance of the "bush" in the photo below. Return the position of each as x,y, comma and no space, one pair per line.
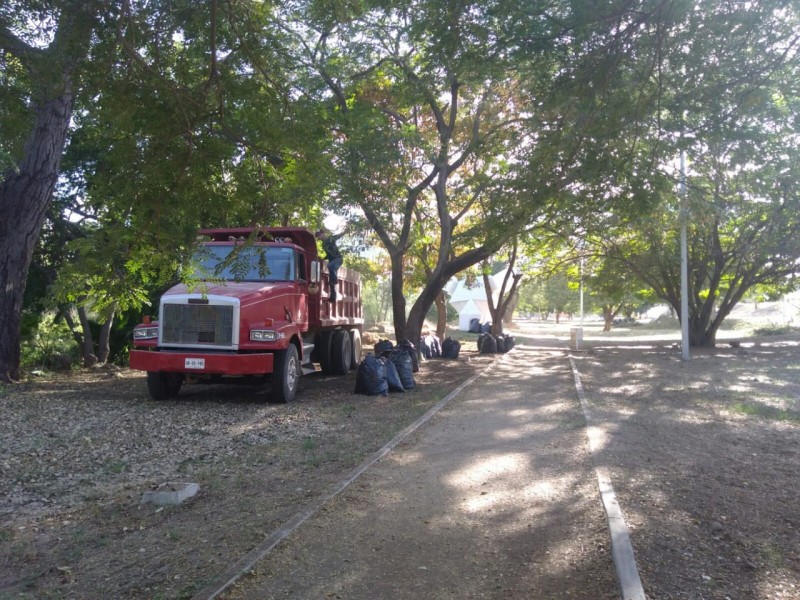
775,329
49,346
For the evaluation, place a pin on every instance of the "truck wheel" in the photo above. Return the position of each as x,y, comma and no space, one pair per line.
286,375
325,353
355,343
341,352
163,386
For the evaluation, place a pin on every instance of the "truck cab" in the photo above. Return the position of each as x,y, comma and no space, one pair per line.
255,309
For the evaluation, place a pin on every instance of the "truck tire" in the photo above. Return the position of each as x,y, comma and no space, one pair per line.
163,386
285,375
341,352
324,354
355,343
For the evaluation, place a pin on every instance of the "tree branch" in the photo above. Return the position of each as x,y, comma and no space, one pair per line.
26,53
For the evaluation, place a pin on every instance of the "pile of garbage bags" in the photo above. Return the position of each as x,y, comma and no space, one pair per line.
389,369
431,347
495,344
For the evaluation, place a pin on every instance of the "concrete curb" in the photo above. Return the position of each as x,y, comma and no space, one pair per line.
229,577
621,548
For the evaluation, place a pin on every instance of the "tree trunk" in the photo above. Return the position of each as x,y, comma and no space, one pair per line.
88,356
416,316
702,331
441,315
502,310
435,285
508,318
26,193
705,317
398,298
506,296
25,196
76,335
700,337
494,310
497,319
104,343
609,314
608,318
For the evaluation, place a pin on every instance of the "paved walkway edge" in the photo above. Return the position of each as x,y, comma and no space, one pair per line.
230,576
621,548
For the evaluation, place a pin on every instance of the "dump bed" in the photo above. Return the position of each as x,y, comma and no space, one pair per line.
322,314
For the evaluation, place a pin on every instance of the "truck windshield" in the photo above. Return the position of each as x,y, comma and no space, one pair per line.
232,262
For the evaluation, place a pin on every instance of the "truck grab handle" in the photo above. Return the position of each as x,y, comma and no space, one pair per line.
315,271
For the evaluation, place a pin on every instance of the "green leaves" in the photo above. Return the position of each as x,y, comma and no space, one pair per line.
450,126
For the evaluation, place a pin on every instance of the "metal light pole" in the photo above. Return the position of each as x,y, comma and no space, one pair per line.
576,333
684,216
581,287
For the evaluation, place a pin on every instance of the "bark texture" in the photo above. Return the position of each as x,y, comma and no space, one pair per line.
25,196
26,192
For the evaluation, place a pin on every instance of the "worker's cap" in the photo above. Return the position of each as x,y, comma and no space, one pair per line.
322,232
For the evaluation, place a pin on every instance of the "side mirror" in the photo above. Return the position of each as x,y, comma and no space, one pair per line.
315,270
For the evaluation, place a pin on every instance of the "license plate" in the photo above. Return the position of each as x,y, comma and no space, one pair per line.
195,363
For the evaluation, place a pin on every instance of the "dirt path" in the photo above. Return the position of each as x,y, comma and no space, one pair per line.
495,497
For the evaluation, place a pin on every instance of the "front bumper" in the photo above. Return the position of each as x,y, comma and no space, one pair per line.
198,363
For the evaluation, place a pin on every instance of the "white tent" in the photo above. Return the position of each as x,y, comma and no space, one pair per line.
470,301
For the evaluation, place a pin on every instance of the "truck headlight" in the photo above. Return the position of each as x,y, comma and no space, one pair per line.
145,333
263,335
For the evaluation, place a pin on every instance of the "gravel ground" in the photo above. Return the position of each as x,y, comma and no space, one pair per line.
705,461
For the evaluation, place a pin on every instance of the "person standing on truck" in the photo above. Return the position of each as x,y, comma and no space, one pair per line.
332,255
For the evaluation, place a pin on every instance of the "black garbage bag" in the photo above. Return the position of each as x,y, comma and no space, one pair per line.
383,347
392,376
475,325
425,348
486,327
408,347
501,343
451,348
487,344
371,377
510,342
402,361
482,337
430,347
436,346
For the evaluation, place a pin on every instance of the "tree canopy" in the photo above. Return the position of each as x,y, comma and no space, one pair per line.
447,128
730,105
460,123
178,117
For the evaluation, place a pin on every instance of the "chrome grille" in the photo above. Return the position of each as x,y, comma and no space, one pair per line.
197,324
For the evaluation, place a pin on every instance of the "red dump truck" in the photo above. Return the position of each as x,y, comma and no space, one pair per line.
259,313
